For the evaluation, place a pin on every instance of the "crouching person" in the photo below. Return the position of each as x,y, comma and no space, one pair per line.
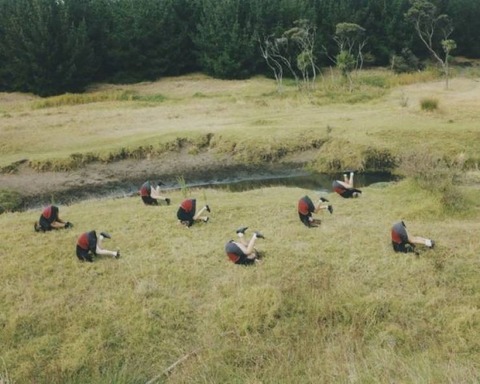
50,219
187,215
88,245
402,241
151,195
242,252
306,208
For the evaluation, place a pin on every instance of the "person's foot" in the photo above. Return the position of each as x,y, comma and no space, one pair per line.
207,208
117,255
241,230
432,244
205,220
323,200
259,235
330,209
167,200
36,227
106,235
160,184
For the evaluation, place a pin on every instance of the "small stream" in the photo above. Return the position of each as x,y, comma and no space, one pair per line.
313,181
238,182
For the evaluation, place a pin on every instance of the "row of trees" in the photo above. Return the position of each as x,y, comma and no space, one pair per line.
54,46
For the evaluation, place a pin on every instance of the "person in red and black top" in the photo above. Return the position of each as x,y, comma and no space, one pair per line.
403,242
345,188
186,213
50,219
243,253
88,245
150,195
306,208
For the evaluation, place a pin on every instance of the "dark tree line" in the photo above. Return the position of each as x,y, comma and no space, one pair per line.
54,46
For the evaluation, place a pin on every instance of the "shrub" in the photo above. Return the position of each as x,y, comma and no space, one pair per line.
405,62
429,104
436,175
378,160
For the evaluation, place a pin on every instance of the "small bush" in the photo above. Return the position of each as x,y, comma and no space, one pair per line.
405,62
378,160
438,176
429,104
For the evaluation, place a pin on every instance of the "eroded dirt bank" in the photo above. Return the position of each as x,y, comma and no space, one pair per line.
125,177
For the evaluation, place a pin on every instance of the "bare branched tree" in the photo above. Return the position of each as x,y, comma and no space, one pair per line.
431,27
351,41
293,52
303,35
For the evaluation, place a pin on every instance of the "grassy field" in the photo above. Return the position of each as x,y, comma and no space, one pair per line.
332,304
327,305
248,120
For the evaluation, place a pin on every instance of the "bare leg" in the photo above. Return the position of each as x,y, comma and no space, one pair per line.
100,251
249,249
320,206
199,216
242,240
155,193
347,181
420,240
58,224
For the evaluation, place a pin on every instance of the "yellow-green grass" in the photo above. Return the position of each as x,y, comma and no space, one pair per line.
327,305
248,115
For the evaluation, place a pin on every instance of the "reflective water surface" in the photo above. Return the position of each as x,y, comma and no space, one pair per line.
237,182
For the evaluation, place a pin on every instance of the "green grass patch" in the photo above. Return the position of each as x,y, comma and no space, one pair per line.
10,200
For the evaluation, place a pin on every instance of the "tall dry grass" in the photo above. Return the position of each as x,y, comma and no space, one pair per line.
331,304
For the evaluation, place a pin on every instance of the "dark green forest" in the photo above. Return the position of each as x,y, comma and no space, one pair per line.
50,47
